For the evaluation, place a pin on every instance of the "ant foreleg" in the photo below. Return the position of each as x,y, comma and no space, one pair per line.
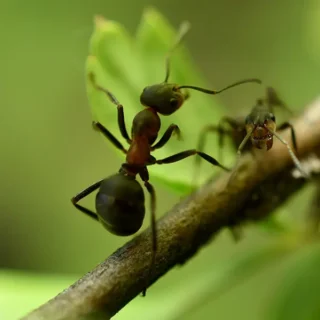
109,136
244,141
173,128
293,134
145,177
184,154
82,195
113,99
293,156
239,151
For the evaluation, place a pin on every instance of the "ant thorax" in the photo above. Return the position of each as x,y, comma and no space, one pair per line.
146,124
145,127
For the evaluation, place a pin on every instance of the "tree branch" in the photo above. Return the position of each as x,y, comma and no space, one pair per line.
262,183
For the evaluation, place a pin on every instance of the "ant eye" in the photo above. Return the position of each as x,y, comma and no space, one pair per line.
272,117
175,88
174,103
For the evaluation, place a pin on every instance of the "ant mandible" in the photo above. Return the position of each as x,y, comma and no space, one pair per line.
259,126
120,199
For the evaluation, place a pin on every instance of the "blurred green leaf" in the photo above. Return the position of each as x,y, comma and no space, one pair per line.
272,224
312,25
21,292
229,273
297,296
125,65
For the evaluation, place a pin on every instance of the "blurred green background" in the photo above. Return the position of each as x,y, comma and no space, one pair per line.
50,152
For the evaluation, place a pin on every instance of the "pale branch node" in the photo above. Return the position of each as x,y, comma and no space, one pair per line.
263,181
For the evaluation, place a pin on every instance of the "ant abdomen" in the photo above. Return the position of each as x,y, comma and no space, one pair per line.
120,204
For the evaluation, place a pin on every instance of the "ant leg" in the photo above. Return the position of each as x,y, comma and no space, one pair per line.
113,99
293,134
145,177
109,136
82,195
184,154
201,144
273,99
240,148
244,142
173,128
293,156
221,133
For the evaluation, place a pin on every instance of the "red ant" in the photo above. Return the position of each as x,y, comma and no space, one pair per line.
259,126
120,199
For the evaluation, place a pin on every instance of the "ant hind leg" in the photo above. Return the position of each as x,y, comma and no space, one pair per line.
82,195
145,178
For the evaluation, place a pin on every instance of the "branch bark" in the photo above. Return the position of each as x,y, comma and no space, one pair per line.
262,183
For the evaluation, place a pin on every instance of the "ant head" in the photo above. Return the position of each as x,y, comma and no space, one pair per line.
120,204
165,98
261,130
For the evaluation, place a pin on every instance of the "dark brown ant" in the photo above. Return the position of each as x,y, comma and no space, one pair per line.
259,126
120,199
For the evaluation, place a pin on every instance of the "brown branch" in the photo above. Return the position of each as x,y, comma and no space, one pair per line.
262,183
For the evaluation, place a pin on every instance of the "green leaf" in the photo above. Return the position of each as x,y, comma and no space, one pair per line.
229,273
21,292
297,295
272,224
311,26
125,65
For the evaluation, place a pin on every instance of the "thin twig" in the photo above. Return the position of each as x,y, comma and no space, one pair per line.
264,181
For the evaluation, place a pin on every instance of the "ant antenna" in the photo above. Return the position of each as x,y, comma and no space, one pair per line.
184,28
226,88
